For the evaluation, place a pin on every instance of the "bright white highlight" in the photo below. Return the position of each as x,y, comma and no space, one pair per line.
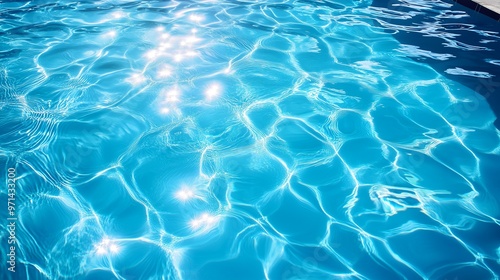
172,96
190,40
118,15
191,53
164,46
185,194
110,34
196,18
169,100
113,248
152,54
213,91
165,71
178,57
136,79
107,246
204,222
165,110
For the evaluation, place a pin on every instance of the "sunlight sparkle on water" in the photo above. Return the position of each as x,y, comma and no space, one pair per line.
196,18
165,71
204,222
164,110
191,53
190,40
164,46
172,96
185,194
107,246
213,91
178,57
169,100
118,14
152,54
136,79
110,34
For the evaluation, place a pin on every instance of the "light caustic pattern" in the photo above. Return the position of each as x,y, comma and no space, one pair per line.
242,140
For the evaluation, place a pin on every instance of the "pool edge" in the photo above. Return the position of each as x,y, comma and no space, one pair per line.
485,7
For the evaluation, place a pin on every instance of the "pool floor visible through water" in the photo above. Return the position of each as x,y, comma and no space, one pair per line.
249,140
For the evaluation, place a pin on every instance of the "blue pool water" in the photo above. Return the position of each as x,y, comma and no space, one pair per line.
249,140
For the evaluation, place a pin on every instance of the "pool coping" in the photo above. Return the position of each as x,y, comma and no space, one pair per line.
488,8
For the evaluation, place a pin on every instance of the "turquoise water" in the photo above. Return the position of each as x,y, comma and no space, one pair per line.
248,140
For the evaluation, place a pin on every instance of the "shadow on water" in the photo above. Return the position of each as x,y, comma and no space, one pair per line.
473,40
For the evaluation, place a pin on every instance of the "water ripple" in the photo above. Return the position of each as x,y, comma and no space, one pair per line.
285,139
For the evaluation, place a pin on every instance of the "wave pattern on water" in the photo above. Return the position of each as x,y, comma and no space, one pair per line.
244,140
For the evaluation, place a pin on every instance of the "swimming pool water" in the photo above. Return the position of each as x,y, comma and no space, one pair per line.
249,140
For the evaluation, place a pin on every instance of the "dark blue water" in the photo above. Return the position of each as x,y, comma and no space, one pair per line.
463,44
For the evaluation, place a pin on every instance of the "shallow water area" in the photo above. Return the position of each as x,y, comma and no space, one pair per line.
248,140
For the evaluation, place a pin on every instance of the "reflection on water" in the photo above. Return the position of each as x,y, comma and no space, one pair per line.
238,140
107,246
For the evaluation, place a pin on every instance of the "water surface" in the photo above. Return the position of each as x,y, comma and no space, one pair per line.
249,140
